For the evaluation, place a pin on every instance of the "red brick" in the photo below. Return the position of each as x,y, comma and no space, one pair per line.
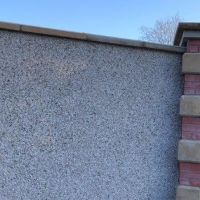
191,120
193,42
193,46
192,78
191,128
192,84
189,174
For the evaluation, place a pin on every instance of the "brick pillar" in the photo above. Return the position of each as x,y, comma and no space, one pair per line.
189,145
193,46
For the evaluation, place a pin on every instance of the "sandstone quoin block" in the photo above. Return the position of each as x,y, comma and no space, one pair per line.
190,105
191,63
189,151
187,193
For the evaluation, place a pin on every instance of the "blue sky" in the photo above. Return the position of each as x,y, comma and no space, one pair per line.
119,18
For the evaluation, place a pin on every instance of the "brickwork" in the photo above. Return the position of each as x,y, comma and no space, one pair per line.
191,128
193,46
188,35
189,171
192,84
189,174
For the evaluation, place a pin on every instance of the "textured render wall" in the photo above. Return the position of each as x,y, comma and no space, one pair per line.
86,121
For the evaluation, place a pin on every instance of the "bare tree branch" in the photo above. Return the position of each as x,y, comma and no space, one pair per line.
163,31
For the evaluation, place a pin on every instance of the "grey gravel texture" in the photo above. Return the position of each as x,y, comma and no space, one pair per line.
86,121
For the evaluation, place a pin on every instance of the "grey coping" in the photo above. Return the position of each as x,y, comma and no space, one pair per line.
89,37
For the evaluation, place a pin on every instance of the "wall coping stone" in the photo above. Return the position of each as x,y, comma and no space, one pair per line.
189,151
187,193
89,37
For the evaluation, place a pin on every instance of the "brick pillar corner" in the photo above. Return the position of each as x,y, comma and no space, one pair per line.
188,35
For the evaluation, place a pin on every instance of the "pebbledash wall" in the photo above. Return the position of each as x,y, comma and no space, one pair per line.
87,117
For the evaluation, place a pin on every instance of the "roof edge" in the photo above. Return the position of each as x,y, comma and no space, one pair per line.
185,26
89,37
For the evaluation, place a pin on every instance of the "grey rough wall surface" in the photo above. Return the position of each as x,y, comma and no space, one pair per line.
86,121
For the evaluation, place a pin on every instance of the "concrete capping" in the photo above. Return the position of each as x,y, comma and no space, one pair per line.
185,26
52,32
191,63
9,26
187,193
90,37
189,151
190,105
